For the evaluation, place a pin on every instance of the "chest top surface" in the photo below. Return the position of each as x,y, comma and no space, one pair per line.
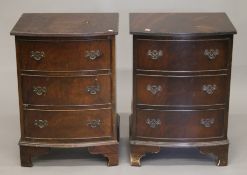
169,24
66,24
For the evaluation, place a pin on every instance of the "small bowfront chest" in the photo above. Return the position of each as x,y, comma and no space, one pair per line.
66,80
181,83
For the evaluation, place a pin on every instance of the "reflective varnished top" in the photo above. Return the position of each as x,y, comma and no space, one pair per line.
169,24
66,24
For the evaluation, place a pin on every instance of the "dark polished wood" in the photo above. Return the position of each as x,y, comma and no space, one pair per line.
220,153
65,55
28,153
181,90
180,24
180,125
69,90
184,60
66,24
181,83
83,124
66,81
139,151
110,152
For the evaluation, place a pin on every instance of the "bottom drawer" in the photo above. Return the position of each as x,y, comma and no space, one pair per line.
187,124
77,124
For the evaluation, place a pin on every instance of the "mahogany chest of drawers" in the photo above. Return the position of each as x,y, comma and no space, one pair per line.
66,79
181,83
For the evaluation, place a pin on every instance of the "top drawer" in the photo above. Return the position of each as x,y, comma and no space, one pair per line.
57,55
183,55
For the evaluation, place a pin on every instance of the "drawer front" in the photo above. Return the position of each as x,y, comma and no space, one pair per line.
65,55
183,55
177,90
180,124
85,90
68,124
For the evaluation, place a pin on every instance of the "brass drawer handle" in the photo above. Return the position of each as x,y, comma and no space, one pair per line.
37,55
207,122
93,89
209,89
153,123
94,123
155,54
38,90
211,53
154,89
92,54
41,123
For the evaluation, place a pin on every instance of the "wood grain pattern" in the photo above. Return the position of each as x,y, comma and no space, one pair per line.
138,151
180,125
66,24
83,124
220,153
180,24
67,90
65,55
181,82
181,90
28,153
66,82
109,151
191,55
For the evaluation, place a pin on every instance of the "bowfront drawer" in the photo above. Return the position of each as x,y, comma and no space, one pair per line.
64,55
180,124
183,55
84,90
68,124
181,90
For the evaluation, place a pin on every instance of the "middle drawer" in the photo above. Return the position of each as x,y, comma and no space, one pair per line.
181,90
84,90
